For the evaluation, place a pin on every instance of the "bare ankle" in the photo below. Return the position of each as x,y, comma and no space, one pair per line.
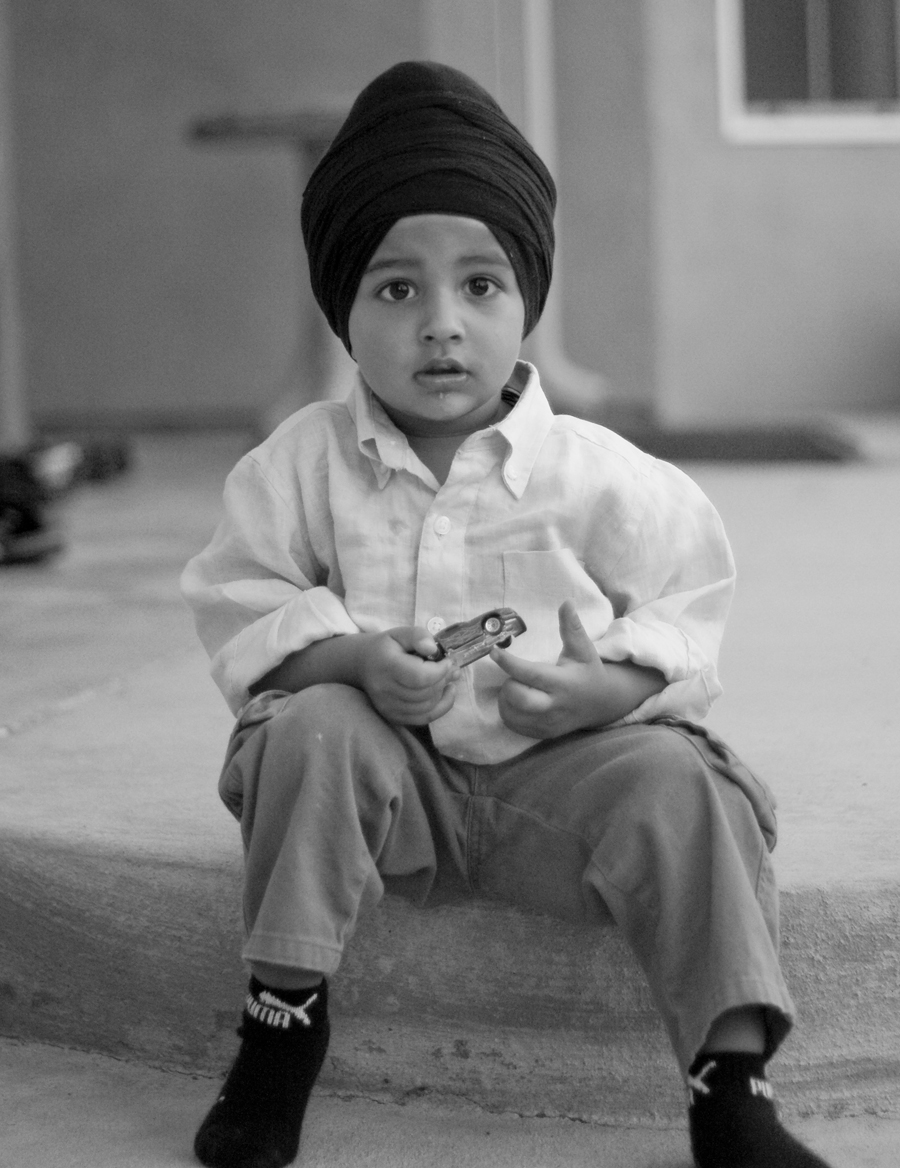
284,977
740,1030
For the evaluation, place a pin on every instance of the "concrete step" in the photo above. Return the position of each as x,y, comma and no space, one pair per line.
120,870
119,933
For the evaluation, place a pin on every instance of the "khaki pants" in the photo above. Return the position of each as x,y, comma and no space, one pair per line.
656,827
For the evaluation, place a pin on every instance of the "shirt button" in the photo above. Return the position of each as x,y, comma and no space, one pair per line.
442,525
435,625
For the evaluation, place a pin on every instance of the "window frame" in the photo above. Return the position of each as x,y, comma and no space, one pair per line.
800,123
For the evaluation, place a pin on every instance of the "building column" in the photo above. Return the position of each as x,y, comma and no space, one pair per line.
507,46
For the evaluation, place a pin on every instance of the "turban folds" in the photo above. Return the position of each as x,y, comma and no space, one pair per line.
425,139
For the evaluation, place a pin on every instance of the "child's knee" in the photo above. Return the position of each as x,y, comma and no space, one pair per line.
665,767
318,735
326,712
681,804
670,789
328,699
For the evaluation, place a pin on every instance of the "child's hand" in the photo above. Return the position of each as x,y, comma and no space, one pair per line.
402,686
579,692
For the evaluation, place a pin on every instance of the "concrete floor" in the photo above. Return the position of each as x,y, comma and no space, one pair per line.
70,1109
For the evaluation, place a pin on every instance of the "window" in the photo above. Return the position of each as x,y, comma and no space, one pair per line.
809,70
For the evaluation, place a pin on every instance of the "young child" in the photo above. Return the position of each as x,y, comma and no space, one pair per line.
561,774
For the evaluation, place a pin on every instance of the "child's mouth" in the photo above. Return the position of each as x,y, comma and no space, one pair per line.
442,374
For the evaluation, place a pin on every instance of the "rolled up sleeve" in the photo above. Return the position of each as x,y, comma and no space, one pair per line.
256,590
671,591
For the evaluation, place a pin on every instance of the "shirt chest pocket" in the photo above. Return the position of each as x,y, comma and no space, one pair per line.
535,584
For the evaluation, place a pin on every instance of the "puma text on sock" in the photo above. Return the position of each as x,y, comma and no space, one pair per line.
255,1122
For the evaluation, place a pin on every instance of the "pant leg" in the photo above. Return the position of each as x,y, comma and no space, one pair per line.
641,824
334,803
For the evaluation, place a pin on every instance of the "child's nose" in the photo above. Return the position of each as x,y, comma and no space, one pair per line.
441,320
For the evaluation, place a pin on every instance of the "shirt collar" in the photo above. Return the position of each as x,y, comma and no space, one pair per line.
379,439
523,429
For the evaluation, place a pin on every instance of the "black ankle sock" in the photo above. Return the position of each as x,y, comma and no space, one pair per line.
255,1122
732,1116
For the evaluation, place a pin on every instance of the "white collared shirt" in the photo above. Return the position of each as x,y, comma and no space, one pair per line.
334,526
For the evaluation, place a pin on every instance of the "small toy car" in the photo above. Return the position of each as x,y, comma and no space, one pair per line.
467,641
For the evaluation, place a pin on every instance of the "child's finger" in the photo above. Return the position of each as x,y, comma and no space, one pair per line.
527,699
530,673
415,639
415,697
413,672
419,708
444,705
577,645
525,710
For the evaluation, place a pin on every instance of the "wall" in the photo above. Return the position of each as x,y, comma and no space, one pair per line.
777,269
160,278
164,280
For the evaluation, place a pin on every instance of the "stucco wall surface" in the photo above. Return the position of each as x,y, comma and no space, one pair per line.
777,268
159,277
722,283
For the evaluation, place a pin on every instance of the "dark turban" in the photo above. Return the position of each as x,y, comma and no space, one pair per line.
425,139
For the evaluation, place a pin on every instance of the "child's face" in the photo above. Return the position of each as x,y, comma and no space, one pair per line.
437,324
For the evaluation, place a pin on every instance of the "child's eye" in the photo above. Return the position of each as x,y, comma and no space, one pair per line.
481,286
396,290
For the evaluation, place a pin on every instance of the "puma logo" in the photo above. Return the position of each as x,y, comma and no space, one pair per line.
697,1083
761,1087
272,1011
